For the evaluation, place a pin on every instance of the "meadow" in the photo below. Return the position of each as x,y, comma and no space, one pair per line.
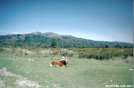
30,68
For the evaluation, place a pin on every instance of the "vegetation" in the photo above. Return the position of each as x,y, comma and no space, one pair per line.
89,53
25,58
55,40
105,53
80,73
53,44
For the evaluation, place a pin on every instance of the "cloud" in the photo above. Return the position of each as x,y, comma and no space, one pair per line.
16,32
5,32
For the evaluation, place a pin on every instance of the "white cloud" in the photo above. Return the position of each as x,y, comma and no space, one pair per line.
4,32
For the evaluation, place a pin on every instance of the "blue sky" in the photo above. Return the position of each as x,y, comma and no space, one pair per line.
103,20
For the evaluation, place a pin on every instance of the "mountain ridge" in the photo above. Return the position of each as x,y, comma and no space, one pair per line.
34,38
52,33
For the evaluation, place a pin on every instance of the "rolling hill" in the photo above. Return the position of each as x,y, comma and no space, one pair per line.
46,39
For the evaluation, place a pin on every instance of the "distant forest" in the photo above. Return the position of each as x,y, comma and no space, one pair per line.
52,40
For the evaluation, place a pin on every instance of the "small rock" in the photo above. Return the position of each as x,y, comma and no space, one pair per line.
131,69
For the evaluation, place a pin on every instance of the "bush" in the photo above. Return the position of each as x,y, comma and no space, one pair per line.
1,49
104,53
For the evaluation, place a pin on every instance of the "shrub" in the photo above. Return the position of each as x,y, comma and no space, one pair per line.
104,53
1,49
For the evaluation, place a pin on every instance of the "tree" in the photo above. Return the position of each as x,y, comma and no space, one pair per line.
53,44
106,46
118,46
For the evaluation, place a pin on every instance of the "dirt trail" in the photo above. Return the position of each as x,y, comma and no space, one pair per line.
21,81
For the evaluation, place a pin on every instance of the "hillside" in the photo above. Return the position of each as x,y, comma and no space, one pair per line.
46,39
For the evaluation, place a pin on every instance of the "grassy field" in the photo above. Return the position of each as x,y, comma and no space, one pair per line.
17,69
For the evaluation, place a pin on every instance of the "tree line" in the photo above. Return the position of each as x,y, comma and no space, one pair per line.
39,40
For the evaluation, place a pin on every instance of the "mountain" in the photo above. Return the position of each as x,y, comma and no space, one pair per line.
46,39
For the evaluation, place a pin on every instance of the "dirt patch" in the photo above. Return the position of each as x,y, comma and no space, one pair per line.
2,83
21,81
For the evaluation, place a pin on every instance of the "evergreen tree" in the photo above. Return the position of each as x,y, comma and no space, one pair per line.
106,46
118,46
53,44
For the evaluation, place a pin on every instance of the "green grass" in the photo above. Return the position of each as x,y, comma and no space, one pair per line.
80,73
